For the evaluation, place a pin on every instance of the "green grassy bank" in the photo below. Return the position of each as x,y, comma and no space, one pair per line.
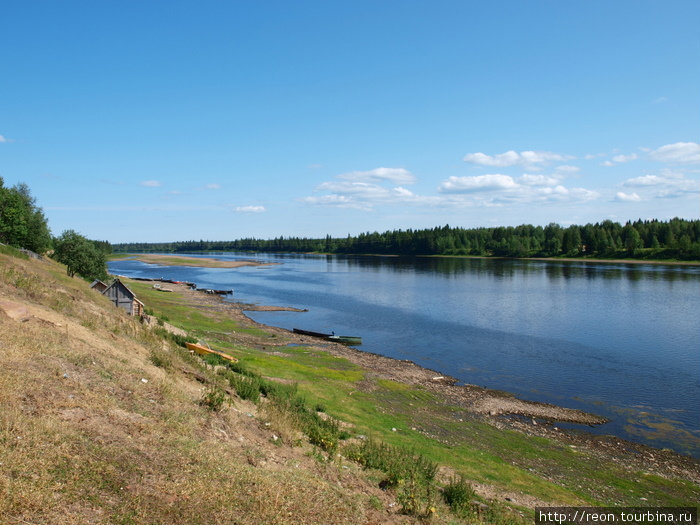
522,467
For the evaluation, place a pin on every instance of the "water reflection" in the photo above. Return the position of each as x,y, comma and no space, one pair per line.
509,268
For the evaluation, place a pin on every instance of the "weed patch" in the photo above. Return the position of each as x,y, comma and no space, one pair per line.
213,398
410,473
458,494
160,359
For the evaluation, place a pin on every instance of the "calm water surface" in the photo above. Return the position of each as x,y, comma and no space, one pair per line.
620,340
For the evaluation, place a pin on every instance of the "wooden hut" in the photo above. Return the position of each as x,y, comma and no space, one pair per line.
123,298
98,285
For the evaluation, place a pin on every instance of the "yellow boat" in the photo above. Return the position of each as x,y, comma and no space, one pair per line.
203,350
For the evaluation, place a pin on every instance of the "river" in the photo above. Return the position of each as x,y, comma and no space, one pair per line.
619,340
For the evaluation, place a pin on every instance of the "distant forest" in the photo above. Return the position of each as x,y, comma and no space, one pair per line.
674,239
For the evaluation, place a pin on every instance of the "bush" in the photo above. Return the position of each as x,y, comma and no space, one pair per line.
240,368
397,462
410,472
458,494
246,387
323,433
213,398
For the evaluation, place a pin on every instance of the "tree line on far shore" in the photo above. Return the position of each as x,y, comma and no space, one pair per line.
650,239
24,226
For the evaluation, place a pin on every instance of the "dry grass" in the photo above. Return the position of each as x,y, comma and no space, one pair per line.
101,422
92,431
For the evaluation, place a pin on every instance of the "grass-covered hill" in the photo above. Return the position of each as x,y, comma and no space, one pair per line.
108,420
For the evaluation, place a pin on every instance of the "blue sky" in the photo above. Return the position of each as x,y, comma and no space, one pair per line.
160,121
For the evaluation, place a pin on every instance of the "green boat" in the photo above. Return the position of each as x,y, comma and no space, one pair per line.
346,339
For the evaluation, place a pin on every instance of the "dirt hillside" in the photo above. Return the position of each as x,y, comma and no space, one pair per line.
93,431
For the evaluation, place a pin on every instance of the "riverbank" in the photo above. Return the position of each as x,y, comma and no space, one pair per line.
475,399
198,262
456,423
107,420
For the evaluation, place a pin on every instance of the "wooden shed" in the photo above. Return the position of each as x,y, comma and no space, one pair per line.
123,298
98,285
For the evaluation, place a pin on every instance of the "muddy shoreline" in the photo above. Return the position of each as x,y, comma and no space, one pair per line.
498,408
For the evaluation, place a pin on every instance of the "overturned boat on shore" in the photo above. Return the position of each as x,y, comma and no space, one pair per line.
343,339
205,350
212,291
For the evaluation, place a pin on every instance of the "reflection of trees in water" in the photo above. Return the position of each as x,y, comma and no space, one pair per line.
510,268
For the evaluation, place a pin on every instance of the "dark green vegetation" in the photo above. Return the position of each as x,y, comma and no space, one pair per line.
674,239
22,223
411,474
81,256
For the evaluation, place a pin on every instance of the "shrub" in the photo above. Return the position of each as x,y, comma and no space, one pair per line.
240,368
458,494
285,403
398,463
213,398
323,433
246,387
412,473
416,495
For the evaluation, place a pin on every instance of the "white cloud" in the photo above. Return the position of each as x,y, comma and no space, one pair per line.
679,152
503,189
368,190
667,185
659,100
338,201
363,195
624,158
529,159
645,180
213,186
151,183
537,180
393,175
489,182
364,190
3,139
359,189
250,209
627,197
619,159
403,192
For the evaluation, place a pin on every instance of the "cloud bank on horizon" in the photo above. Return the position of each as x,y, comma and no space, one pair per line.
673,176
